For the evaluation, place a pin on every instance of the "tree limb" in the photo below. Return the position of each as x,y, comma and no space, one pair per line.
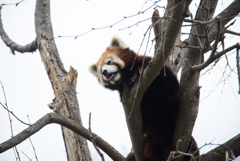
218,154
189,83
63,82
232,32
214,46
14,46
66,122
215,57
135,122
238,68
226,15
175,59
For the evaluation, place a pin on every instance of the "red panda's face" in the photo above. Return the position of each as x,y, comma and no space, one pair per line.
110,66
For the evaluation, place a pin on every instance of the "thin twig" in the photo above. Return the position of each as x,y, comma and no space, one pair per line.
221,80
238,66
215,57
110,26
31,142
27,156
9,116
192,47
66,122
216,40
93,139
198,39
141,71
14,115
16,4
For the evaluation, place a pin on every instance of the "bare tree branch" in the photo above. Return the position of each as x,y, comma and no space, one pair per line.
134,122
232,32
13,114
189,82
93,139
63,82
10,119
32,143
14,46
16,4
114,24
215,57
66,122
226,15
214,46
174,61
238,68
218,154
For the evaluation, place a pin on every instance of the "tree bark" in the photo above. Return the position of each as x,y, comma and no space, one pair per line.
31,47
218,154
66,122
189,84
63,83
177,13
174,61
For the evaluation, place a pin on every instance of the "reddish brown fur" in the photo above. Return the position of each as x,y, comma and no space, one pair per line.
159,104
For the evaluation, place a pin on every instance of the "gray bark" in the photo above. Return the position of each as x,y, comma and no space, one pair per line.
64,83
31,47
218,154
189,86
189,83
66,122
65,101
178,12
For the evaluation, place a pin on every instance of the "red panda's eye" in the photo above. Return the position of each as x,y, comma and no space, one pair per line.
109,62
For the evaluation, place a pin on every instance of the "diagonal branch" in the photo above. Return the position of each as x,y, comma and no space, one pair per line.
14,46
66,122
189,83
63,82
232,32
226,15
215,57
134,122
207,62
218,154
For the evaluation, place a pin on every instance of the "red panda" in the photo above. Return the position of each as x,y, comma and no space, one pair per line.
160,102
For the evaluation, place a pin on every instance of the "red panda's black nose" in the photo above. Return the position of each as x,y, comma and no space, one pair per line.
104,72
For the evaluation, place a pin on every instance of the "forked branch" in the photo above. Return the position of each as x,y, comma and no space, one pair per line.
149,74
215,57
66,122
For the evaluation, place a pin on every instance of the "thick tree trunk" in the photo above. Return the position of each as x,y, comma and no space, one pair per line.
63,83
189,83
177,11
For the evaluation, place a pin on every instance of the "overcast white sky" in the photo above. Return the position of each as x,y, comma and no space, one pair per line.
28,88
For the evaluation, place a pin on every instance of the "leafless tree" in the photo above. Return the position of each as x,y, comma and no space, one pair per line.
206,33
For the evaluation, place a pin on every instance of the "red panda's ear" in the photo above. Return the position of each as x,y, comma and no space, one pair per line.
116,42
93,69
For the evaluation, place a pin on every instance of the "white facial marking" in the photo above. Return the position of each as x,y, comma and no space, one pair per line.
110,68
110,73
108,61
118,61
